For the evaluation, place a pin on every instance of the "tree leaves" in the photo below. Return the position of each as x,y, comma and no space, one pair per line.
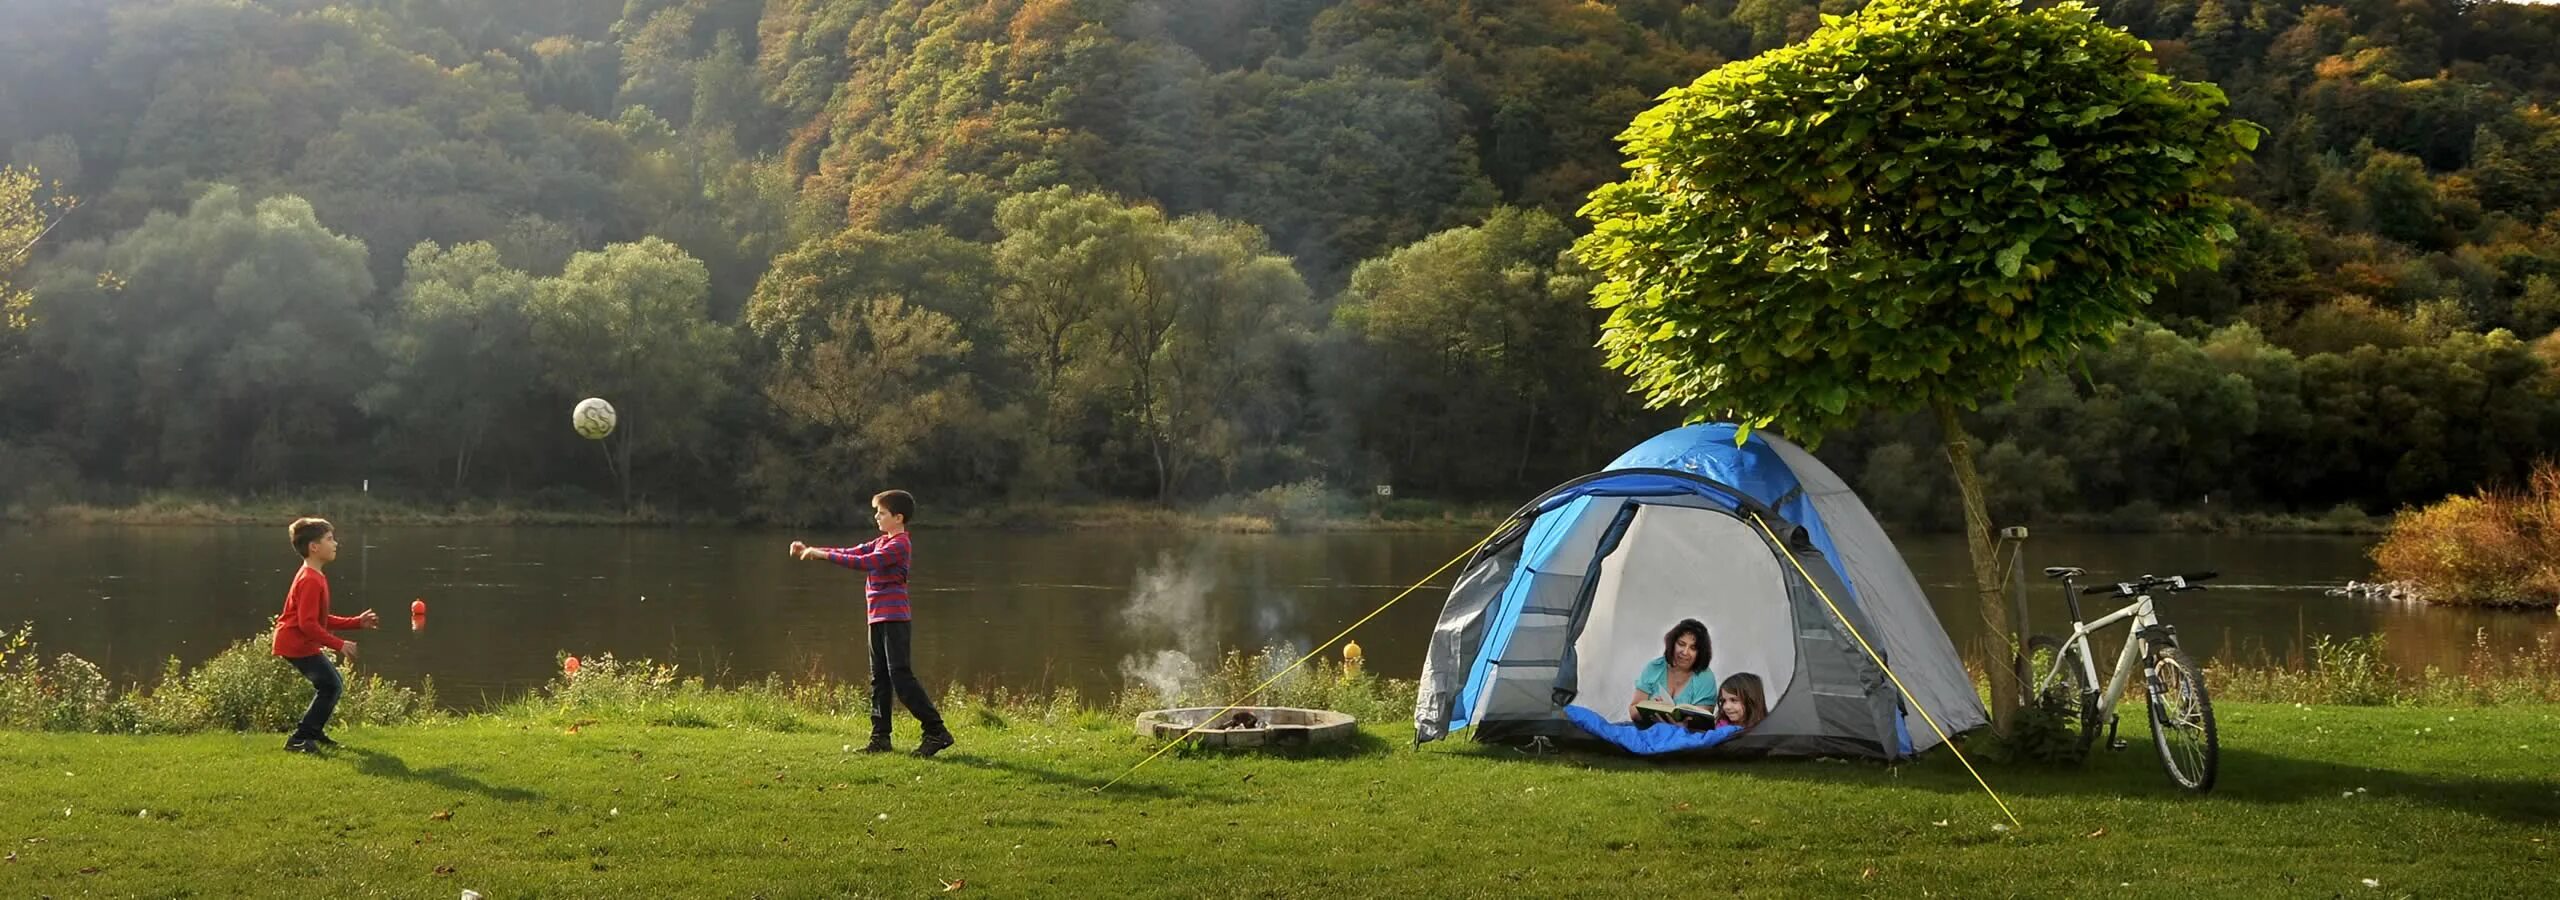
1900,203
2010,257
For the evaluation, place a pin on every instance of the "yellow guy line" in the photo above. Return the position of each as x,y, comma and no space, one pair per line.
1888,670
1310,654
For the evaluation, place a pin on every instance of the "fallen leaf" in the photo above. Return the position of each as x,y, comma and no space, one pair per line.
2098,833
1942,823
1869,873
542,832
671,776
949,886
1248,777
13,857
92,870
444,870
444,816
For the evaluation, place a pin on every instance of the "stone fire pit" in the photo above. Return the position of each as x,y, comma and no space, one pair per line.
1249,726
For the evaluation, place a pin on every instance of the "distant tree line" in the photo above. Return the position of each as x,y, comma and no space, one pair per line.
1144,250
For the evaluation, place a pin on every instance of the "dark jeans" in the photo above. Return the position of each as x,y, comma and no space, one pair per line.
893,668
326,685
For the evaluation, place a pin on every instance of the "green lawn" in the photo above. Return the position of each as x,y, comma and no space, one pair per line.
2313,802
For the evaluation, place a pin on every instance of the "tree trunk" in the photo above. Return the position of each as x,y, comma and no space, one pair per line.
1164,475
1999,650
1528,439
622,472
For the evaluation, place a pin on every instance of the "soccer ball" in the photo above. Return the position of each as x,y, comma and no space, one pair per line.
593,418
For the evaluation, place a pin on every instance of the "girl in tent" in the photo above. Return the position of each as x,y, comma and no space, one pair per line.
1679,676
1741,701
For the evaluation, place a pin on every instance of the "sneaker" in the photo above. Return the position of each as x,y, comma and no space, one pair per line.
934,743
300,745
322,739
877,745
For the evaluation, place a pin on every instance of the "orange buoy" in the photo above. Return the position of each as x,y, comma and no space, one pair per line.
418,607
569,667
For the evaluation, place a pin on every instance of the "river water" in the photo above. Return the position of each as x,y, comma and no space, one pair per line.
1030,611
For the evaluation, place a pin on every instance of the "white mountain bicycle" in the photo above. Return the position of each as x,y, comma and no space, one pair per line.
2181,712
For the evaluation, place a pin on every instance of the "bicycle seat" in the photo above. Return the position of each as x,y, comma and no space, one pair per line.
2064,571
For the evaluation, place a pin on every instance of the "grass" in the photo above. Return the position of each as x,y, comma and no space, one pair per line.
635,778
539,801
2357,672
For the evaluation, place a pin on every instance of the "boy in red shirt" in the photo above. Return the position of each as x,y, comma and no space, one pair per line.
883,561
303,629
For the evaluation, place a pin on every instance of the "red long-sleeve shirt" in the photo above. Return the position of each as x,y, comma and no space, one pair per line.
883,562
304,628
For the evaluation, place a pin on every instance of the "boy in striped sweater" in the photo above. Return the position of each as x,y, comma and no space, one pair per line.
884,561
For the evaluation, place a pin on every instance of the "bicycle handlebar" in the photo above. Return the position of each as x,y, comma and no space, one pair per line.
2148,582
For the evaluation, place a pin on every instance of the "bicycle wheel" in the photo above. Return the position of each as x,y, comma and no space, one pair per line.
2070,697
2182,720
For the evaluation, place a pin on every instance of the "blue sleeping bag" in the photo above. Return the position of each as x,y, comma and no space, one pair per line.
1649,740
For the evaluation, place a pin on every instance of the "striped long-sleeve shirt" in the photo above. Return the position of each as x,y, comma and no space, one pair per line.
883,561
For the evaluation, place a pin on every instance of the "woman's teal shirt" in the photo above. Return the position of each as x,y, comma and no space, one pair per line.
1701,690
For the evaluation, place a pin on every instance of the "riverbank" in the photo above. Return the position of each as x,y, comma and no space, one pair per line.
1266,513
546,799
1246,516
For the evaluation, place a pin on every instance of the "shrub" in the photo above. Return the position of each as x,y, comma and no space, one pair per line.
243,688
2500,548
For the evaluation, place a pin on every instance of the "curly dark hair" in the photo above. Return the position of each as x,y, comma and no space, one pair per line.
1693,628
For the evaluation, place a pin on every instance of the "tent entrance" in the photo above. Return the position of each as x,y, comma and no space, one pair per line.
1677,563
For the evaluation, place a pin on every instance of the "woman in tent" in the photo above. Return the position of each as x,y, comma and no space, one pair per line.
1679,676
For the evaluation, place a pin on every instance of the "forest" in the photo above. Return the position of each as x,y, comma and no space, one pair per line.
1146,251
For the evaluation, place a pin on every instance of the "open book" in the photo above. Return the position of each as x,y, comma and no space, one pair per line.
1651,711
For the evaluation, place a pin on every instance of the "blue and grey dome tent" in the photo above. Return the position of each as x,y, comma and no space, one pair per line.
1570,600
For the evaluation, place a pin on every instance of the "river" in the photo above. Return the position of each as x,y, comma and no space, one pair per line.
1030,611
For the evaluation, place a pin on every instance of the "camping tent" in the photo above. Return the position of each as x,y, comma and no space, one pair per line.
1569,601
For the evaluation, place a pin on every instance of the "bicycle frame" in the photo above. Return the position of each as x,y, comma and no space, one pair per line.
2142,618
